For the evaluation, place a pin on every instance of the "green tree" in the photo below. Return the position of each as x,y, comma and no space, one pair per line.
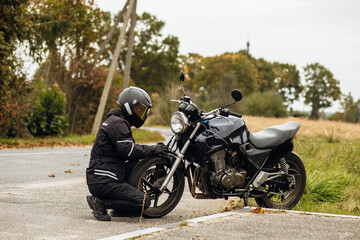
191,64
349,108
266,74
69,25
68,31
214,68
155,57
321,88
15,25
287,81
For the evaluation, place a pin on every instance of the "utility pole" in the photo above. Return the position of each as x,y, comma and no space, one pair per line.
111,32
130,48
106,90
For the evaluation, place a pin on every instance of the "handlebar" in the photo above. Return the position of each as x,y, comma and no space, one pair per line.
211,112
220,111
235,114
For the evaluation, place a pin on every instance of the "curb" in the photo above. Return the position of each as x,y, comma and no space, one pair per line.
139,233
146,231
311,213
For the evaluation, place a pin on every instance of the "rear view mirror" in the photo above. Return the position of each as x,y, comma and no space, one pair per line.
236,95
182,76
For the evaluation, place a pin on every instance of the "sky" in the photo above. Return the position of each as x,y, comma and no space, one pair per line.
289,31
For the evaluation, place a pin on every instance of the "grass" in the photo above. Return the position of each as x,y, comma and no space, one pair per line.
333,175
140,136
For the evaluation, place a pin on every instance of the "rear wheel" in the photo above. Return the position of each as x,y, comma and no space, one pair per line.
148,175
280,195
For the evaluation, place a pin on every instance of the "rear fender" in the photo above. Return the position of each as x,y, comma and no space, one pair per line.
279,152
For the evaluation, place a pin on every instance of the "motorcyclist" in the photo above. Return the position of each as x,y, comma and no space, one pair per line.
115,153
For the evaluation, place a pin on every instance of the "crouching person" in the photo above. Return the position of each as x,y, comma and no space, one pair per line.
113,156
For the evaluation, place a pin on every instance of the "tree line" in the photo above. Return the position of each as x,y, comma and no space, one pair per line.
63,37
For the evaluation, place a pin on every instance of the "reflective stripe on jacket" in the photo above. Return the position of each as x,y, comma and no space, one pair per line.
114,144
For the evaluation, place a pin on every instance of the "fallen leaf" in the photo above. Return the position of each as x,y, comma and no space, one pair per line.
68,171
75,164
51,175
258,210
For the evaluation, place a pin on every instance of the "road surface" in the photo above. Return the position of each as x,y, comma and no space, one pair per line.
36,205
42,196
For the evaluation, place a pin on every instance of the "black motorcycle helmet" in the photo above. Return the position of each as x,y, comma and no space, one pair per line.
136,104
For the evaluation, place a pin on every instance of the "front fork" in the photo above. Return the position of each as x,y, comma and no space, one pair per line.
178,159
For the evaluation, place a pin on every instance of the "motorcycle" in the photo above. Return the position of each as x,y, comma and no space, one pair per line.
221,158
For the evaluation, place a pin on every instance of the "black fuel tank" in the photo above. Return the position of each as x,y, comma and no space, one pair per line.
219,133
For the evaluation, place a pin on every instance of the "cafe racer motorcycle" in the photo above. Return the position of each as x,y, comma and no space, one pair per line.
221,158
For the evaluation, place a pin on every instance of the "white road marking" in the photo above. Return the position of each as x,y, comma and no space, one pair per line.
206,218
313,213
40,153
136,234
146,231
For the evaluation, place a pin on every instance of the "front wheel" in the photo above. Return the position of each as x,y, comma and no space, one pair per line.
148,175
280,196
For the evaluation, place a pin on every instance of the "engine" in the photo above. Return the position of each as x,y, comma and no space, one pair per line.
227,175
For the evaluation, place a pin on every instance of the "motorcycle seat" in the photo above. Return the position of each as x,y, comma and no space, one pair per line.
274,135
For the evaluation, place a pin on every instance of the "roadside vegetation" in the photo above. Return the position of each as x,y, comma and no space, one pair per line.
140,136
333,175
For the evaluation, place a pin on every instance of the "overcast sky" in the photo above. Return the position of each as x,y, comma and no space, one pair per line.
289,31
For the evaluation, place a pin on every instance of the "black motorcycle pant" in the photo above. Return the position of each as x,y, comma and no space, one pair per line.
120,196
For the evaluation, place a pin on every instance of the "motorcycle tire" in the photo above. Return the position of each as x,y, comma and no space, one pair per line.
288,202
148,175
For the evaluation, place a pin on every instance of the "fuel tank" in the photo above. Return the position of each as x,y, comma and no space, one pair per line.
218,133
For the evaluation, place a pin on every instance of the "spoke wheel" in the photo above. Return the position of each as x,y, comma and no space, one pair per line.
285,197
148,176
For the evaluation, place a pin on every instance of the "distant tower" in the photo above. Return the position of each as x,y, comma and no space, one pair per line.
357,117
248,45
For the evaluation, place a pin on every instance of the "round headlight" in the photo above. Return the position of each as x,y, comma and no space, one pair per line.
179,122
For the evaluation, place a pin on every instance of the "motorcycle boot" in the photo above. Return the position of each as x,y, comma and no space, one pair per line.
98,208
117,213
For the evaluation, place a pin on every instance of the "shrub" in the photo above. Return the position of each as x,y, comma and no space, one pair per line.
47,114
325,189
163,108
267,104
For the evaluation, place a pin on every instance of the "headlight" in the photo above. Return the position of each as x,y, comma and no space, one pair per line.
179,122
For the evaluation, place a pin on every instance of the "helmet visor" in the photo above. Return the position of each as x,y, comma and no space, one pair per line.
141,110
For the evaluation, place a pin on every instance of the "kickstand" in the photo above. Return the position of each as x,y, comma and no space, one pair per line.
246,199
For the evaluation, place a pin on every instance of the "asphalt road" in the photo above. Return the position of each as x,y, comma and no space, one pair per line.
34,205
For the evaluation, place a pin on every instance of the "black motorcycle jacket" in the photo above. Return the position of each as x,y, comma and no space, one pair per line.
114,144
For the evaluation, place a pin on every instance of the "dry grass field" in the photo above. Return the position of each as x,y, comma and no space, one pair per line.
310,128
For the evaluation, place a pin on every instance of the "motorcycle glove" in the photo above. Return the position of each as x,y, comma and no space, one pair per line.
160,149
